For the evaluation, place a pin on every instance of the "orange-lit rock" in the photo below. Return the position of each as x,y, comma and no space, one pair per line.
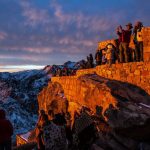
51,98
125,107
90,91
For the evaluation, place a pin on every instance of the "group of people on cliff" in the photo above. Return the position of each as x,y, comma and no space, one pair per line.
60,132
121,51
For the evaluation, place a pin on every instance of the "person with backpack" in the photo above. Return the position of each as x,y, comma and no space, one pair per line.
138,41
6,131
124,37
104,60
110,54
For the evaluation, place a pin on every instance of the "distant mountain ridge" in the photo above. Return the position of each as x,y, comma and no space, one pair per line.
18,94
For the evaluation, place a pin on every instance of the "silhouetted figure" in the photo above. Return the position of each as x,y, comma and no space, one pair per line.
124,37
104,60
88,64
6,131
138,41
91,61
98,57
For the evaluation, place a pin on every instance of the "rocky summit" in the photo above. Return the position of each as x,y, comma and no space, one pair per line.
123,109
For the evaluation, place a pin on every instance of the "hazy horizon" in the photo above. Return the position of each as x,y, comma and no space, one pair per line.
19,68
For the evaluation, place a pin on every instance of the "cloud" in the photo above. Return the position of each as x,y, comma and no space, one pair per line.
54,31
3,35
91,22
35,50
33,15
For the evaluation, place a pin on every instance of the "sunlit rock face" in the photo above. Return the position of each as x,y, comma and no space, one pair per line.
125,107
52,98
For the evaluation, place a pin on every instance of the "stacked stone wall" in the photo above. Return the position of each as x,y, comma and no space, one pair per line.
135,73
103,44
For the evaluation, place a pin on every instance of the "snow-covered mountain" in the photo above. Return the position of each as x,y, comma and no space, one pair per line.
18,94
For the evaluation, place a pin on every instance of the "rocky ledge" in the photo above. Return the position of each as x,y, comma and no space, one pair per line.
123,109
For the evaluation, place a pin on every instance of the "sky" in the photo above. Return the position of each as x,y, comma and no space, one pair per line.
35,33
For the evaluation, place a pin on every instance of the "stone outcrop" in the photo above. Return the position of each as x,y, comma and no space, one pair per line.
136,73
125,107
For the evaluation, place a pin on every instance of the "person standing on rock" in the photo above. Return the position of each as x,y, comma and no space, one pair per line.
91,60
98,57
110,54
6,131
88,64
138,41
124,36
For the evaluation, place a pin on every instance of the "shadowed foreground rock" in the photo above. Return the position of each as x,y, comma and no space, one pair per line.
125,109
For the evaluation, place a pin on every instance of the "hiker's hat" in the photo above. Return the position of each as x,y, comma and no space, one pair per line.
109,46
139,23
129,25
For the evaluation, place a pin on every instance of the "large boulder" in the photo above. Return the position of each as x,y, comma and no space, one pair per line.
124,107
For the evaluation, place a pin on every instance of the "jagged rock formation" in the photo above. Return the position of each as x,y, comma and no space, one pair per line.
124,107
